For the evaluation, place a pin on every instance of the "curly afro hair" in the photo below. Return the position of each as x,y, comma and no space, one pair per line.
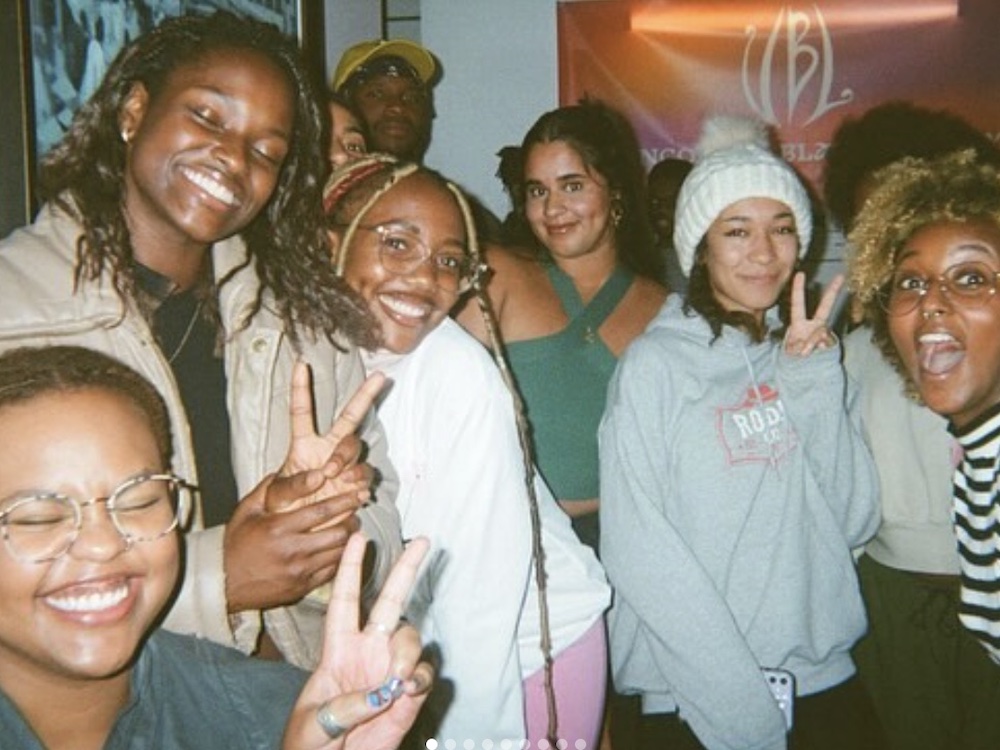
910,195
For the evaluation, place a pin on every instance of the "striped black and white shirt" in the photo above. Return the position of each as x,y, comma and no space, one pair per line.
977,526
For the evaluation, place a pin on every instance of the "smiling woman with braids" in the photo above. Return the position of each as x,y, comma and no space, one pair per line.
402,237
182,232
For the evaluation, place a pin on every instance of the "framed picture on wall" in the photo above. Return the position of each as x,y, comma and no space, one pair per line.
69,45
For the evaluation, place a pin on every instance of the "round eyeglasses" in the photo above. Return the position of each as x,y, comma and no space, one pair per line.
42,526
970,284
401,252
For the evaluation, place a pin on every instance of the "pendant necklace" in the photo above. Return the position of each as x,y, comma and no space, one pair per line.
187,333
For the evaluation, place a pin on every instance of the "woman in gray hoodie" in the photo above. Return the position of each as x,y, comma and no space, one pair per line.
735,481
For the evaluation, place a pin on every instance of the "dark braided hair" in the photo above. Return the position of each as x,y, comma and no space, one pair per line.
84,175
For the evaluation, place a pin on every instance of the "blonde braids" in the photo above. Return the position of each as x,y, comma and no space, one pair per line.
385,172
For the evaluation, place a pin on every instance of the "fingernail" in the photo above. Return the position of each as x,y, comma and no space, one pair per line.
419,682
384,694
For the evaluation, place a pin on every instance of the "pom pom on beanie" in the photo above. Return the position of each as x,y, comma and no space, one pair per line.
733,162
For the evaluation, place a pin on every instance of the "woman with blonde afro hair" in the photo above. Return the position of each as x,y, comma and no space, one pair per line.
927,266
912,194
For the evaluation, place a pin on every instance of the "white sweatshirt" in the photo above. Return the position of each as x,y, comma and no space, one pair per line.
453,440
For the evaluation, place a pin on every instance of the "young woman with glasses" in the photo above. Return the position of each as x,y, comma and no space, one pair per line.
90,558
926,265
510,585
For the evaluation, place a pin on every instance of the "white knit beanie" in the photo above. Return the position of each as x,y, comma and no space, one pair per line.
734,162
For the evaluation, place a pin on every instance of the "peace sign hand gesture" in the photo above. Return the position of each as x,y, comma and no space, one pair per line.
331,460
370,683
805,335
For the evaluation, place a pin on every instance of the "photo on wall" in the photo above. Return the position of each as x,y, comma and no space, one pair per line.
72,43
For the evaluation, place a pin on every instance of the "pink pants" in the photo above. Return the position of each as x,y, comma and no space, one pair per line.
579,677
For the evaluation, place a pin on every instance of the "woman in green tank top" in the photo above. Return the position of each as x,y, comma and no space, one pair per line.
573,284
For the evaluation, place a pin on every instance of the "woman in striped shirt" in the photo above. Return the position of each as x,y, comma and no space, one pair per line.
927,266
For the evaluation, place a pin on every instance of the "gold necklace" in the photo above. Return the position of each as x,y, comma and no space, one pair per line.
187,332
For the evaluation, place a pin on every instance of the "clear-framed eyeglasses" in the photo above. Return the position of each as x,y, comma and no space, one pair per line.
40,527
401,251
969,284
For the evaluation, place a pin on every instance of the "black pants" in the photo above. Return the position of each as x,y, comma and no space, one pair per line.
841,718
588,530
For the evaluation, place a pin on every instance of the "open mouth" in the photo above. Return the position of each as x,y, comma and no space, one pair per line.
938,353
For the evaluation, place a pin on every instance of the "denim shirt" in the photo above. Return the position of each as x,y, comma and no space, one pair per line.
192,694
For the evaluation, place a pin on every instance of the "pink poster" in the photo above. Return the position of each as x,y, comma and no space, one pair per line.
802,66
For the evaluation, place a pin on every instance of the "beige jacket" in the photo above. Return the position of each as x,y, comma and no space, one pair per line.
39,306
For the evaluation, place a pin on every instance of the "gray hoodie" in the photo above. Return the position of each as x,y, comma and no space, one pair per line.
734,483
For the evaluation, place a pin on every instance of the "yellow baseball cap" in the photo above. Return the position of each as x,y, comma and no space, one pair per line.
419,58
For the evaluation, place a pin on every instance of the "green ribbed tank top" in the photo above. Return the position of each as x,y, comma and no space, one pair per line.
563,379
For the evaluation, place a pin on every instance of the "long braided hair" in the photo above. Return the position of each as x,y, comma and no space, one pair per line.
84,176
350,193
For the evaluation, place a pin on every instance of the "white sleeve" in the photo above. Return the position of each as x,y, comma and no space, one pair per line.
469,498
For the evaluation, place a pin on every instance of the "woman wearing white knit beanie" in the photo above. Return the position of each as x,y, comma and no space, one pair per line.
734,481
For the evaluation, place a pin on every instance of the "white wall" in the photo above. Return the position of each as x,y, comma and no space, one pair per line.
500,74
348,22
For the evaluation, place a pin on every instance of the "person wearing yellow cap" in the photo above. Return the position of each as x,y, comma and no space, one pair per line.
390,82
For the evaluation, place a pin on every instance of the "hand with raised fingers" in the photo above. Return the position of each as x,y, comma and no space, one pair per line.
335,454
370,683
805,335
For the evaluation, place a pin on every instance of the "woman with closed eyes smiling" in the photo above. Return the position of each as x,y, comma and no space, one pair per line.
181,231
90,555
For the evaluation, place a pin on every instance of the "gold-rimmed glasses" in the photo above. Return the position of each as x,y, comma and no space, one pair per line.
967,284
42,526
402,251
